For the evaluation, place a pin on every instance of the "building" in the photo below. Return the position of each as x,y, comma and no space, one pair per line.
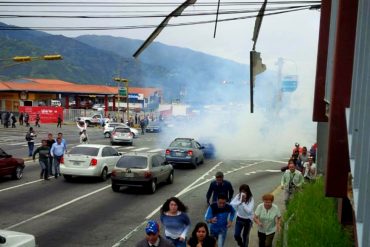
46,92
342,110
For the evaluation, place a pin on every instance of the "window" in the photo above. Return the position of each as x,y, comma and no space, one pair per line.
132,162
159,159
155,162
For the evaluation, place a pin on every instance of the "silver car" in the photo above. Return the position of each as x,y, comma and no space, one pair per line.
141,170
121,135
109,127
91,160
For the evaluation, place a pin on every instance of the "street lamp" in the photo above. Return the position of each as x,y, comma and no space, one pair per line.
123,91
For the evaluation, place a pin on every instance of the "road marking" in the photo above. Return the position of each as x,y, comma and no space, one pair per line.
21,185
16,144
57,208
140,149
155,150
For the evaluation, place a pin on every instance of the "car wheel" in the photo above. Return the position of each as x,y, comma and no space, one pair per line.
104,175
115,187
152,186
107,135
67,177
112,143
18,173
130,143
195,164
170,178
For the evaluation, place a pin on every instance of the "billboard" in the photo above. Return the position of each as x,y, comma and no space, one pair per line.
48,114
289,83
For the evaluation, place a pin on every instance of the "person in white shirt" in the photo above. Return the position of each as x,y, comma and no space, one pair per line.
310,170
243,204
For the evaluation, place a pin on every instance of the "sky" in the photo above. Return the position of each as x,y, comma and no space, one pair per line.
292,36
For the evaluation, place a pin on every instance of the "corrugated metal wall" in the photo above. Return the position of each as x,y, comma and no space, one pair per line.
358,124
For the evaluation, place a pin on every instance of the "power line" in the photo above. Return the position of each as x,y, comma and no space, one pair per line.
144,26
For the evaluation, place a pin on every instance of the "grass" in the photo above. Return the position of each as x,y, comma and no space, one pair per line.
314,221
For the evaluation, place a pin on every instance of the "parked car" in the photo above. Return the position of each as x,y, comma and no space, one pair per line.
109,127
145,170
121,135
94,119
185,150
19,239
154,127
98,107
92,160
10,166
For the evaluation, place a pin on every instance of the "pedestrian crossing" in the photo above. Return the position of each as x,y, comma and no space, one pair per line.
123,150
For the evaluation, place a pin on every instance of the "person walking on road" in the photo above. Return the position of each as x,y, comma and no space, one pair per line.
84,139
200,237
27,119
243,203
44,153
30,138
153,237
175,221
142,126
58,150
220,216
13,120
21,116
268,218
64,142
219,186
291,181
37,120
59,121
50,141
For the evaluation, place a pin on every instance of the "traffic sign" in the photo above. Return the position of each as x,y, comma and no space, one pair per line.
122,91
289,83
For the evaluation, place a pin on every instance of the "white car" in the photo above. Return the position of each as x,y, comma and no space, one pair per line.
109,127
92,160
19,239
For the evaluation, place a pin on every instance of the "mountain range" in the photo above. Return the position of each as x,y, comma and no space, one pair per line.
95,59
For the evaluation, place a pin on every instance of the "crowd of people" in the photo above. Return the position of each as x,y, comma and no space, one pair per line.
222,211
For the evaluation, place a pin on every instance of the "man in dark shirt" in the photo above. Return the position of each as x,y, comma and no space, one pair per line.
44,153
220,186
50,141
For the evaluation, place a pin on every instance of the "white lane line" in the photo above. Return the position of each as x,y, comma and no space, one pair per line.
15,144
57,208
155,150
140,149
277,161
128,235
21,185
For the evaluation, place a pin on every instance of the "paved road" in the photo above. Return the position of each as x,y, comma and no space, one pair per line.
86,212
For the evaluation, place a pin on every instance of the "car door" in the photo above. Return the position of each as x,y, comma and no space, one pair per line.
5,165
109,158
162,171
199,151
156,169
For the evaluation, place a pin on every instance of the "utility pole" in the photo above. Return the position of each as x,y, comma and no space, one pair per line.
123,91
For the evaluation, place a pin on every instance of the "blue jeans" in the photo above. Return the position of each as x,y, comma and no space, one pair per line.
31,145
244,225
220,235
177,242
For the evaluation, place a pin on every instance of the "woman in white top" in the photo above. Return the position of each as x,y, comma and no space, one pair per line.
243,204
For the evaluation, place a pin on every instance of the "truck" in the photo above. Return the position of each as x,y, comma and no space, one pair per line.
94,119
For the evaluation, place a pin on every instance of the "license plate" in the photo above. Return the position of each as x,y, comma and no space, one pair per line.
76,163
129,175
178,154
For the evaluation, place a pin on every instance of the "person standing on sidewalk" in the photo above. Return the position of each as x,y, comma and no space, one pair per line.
30,138
220,216
219,186
175,221
243,203
37,120
268,218
44,153
57,151
59,121
50,141
291,181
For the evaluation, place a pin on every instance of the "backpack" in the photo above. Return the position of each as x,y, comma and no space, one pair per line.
28,137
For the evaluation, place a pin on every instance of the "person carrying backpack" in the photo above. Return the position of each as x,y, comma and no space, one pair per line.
30,138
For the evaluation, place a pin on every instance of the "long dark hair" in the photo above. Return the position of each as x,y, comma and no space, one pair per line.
180,205
196,228
245,187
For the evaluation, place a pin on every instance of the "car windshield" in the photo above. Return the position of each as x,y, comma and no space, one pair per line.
181,144
123,130
132,162
90,151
